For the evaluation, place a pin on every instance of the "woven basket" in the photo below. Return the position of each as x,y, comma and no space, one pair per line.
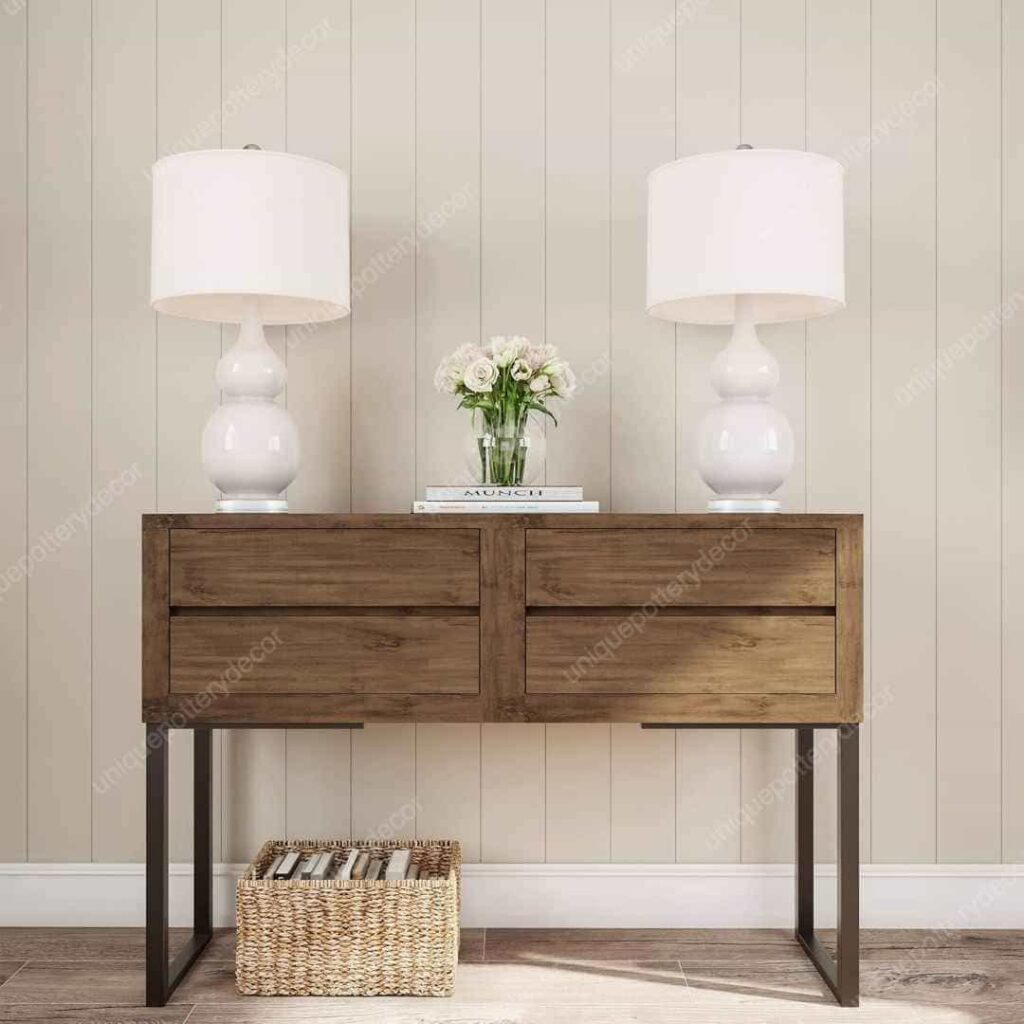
350,938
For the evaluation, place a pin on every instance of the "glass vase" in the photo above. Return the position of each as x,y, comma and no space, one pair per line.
503,447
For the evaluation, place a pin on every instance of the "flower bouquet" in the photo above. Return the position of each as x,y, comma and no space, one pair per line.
502,382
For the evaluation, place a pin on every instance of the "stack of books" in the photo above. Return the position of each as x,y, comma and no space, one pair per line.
518,500
350,865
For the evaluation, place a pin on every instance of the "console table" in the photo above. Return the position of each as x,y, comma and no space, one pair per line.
673,621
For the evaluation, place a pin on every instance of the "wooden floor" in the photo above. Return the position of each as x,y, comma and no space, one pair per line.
535,976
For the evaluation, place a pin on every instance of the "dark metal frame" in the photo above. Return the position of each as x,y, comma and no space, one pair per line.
162,973
842,972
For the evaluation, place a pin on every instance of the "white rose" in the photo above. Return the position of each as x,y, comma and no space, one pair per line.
447,377
535,357
521,370
480,375
504,351
539,383
563,381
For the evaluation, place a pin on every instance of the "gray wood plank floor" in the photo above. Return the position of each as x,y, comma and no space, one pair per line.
528,976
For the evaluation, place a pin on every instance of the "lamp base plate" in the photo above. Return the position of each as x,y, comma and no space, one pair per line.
252,505
744,505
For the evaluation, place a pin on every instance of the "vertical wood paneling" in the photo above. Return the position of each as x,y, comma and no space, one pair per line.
319,80
577,211
903,429
968,420
838,347
448,219
384,782
1013,434
319,783
188,116
512,793
773,115
448,785
512,140
707,119
557,160
643,792
643,129
59,430
578,793
253,86
13,455
708,792
124,404
383,268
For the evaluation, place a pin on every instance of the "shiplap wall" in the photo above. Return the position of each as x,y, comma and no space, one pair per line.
542,119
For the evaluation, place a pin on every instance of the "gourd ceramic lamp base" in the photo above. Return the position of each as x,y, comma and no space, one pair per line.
745,237
251,238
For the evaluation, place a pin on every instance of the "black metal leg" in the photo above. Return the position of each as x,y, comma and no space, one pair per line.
162,977
842,974
805,832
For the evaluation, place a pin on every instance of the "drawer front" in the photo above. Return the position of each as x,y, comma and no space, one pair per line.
322,654
681,567
282,567
678,654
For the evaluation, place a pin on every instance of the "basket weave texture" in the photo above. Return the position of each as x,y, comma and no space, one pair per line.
361,938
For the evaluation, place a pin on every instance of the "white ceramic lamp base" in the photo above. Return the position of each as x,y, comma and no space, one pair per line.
250,444
745,444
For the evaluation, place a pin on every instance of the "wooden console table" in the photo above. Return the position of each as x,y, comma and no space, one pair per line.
673,621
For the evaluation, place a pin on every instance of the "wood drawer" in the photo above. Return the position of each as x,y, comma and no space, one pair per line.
676,654
319,654
679,567
374,567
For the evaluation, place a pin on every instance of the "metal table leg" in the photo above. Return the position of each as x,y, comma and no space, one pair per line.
841,974
163,975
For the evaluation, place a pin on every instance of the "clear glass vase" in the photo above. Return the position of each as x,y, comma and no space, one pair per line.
503,447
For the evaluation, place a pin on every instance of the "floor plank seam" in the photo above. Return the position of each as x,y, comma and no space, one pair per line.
21,967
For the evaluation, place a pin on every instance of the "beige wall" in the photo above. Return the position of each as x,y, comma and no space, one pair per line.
547,116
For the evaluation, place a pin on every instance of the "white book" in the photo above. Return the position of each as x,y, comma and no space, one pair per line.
491,492
345,873
322,867
507,507
398,865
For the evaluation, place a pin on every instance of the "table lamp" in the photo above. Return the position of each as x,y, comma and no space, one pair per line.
745,237
250,237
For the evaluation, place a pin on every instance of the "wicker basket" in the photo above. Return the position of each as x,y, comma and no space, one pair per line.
350,938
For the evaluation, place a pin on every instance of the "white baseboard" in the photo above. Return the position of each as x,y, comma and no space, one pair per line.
568,895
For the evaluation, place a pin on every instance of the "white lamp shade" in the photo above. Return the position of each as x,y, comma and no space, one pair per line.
249,230
767,223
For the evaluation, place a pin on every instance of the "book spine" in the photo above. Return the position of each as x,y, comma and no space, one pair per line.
504,494
507,507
